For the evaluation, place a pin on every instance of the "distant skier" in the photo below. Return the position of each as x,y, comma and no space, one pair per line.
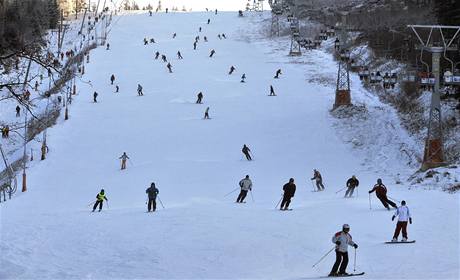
199,29
157,55
272,91
100,197
18,111
220,37
232,69
199,98
278,73
108,46
179,55
247,152
152,41
150,13
243,78
205,38
216,12
152,192
319,180
95,97
146,42
163,57
123,158
223,36
174,35
112,79
403,214
194,45
342,240
209,21
140,90
289,191
169,66
381,193
352,183
206,114
245,185
117,88
212,53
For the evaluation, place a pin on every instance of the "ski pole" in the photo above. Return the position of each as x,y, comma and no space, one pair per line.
354,266
323,257
279,202
91,204
252,197
394,199
161,202
340,190
370,205
231,192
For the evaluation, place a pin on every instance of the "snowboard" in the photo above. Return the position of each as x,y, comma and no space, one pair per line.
399,242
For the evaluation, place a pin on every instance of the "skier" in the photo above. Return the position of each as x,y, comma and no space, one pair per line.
245,185
272,91
146,42
219,37
243,78
179,55
223,36
206,113
152,193
289,191
108,46
174,35
352,183
194,45
169,66
232,69
205,39
18,111
139,90
150,13
212,53
95,97
381,193
100,197
278,73
246,151
163,57
319,180
36,85
342,240
157,54
199,29
209,21
112,79
123,158
117,88
152,41
199,98
403,216
216,12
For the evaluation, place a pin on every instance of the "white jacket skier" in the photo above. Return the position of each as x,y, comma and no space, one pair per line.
246,184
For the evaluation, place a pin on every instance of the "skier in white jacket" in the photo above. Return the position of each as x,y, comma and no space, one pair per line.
246,185
342,240
403,214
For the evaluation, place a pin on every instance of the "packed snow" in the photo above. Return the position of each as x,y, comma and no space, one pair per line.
49,232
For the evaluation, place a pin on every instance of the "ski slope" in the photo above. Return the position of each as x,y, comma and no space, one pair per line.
50,233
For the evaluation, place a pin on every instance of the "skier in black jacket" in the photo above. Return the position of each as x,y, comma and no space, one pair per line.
289,191
152,193
352,183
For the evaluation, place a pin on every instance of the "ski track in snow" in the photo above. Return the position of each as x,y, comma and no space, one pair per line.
49,233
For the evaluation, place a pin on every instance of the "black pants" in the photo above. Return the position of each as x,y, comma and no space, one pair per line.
286,201
248,156
198,101
350,191
385,201
98,202
242,196
152,205
319,185
341,259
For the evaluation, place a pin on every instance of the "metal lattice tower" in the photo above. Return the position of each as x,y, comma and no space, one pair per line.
342,92
275,27
295,38
433,155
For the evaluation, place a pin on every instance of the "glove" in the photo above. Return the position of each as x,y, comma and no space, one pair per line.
393,218
338,243
356,246
410,220
370,191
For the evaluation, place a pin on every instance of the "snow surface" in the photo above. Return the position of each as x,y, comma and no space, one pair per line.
49,232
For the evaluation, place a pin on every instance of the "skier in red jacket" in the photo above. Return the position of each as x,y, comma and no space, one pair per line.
381,192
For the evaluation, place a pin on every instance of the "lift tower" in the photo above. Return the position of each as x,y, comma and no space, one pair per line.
342,92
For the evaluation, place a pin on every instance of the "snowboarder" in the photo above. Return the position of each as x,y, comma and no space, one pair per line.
139,90
18,111
246,151
381,193
243,78
163,57
289,191
152,193
212,53
169,66
272,91
179,55
342,240
278,73
403,216
123,158
199,98
319,180
245,185
206,114
95,97
209,21
194,45
112,79
100,197
232,69
352,183
157,54
117,88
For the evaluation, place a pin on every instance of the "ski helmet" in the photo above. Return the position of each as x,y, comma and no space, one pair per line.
346,226
291,180
153,184
379,181
403,202
102,190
